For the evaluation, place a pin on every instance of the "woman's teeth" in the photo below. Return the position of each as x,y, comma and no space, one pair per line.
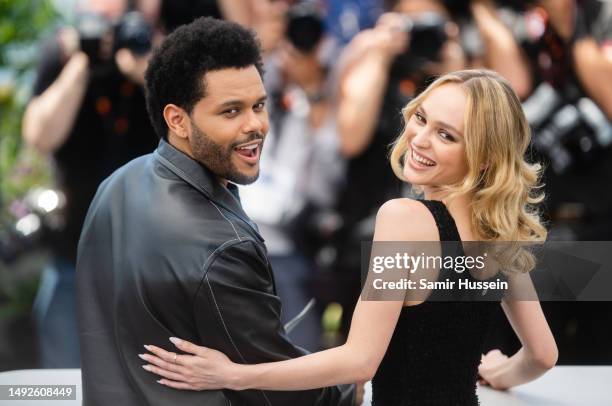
422,160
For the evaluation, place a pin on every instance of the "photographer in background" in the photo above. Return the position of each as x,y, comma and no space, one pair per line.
301,166
570,110
88,112
570,47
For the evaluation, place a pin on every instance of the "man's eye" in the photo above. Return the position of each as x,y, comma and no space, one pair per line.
260,106
231,112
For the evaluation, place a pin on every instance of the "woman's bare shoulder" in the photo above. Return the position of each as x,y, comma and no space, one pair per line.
405,219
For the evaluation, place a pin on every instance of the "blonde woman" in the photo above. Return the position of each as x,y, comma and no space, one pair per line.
464,143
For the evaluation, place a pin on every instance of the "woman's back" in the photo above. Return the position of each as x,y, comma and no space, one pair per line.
433,356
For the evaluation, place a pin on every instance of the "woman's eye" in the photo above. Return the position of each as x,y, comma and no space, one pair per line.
446,136
419,118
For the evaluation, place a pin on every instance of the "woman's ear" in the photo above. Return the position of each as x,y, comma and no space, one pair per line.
177,121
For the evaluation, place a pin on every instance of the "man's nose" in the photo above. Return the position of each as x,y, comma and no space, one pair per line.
256,122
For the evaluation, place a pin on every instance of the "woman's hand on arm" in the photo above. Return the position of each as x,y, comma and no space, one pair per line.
201,369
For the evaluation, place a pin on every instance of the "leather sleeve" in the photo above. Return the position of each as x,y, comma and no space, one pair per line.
238,313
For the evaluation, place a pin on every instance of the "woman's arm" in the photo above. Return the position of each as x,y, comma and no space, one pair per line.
539,352
357,360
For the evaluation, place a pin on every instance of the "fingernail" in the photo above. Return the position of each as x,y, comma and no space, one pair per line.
142,356
175,341
147,347
160,381
146,367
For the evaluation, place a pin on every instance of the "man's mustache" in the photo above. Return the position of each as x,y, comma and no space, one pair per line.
255,136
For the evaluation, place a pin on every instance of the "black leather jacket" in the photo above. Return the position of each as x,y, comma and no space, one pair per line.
166,250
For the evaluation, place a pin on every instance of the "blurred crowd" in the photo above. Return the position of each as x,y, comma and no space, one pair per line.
337,74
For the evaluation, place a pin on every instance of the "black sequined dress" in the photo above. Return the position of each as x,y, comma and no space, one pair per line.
433,356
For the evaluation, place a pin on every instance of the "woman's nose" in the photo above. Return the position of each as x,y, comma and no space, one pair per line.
421,138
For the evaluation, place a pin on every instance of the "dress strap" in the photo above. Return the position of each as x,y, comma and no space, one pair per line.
444,221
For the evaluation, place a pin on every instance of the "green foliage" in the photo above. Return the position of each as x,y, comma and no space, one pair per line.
22,24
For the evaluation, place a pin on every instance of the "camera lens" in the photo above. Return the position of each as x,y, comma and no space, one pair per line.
305,26
133,33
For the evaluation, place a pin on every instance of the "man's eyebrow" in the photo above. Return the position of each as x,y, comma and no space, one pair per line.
231,103
441,123
237,102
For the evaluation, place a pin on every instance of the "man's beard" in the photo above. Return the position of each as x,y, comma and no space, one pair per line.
218,159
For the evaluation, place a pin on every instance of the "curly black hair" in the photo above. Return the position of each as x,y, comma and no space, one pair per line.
175,74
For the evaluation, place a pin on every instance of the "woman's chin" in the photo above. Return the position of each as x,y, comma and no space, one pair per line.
415,178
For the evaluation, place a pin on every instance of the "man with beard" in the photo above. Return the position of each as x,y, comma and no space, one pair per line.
166,248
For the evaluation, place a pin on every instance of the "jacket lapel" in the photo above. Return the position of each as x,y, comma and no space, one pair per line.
201,178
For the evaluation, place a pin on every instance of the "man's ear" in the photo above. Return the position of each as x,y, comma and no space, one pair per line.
177,121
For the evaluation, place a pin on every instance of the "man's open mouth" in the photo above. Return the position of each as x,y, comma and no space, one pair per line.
249,152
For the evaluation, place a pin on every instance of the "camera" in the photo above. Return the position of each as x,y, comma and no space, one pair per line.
570,131
427,36
100,38
305,26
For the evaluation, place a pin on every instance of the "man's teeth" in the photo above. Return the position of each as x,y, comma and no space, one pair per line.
249,147
422,160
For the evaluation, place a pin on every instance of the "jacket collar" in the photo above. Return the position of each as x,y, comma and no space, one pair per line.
201,178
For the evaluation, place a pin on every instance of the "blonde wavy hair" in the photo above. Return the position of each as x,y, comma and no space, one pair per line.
503,187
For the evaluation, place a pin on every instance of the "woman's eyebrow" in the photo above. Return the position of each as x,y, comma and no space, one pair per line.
441,123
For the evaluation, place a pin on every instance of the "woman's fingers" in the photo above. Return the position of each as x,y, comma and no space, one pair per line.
169,366
177,385
161,353
164,373
187,346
